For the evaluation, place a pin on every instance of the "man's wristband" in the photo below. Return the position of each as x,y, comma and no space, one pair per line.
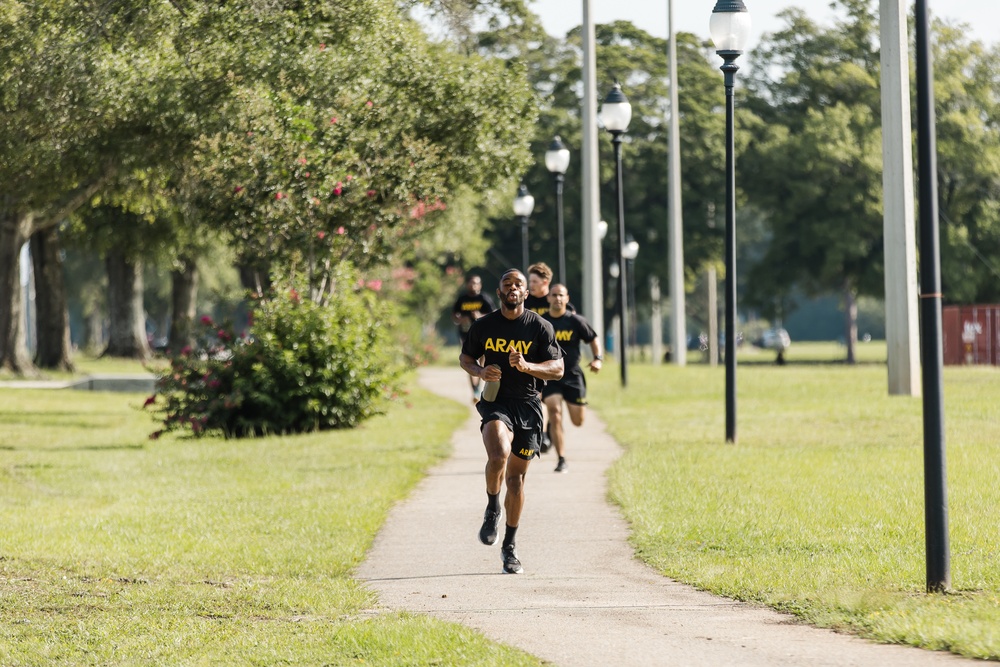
599,357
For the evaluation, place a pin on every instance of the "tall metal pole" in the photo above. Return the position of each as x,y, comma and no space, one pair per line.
616,139
593,271
931,355
729,68
559,218
524,243
675,233
901,322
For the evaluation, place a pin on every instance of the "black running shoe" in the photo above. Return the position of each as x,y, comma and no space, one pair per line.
546,441
511,565
488,533
561,466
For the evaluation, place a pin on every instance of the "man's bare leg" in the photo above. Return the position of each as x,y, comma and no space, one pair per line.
497,440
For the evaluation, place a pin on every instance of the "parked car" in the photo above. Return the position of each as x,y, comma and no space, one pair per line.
775,339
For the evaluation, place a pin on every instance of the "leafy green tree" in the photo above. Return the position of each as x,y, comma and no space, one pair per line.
637,59
77,108
814,164
967,100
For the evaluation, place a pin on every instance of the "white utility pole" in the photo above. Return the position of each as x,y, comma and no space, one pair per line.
593,271
901,323
675,227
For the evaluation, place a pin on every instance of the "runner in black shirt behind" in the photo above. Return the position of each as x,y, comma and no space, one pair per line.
469,307
571,329
539,277
520,351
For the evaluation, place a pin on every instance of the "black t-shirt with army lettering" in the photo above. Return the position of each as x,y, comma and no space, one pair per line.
493,336
540,304
467,304
571,329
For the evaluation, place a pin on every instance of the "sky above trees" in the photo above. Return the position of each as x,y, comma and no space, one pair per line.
559,16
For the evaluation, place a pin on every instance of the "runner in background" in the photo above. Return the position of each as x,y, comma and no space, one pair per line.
469,307
571,329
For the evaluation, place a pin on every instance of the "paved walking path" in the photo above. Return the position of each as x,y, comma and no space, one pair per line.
583,600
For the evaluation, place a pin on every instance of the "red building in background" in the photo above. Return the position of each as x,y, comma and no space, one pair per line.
971,334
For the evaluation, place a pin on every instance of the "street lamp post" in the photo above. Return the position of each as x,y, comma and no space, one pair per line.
935,479
730,28
524,204
557,162
616,112
630,253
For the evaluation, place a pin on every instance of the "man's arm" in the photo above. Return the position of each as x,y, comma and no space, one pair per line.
543,370
472,366
595,349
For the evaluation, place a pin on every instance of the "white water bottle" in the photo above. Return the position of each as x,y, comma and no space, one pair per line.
492,388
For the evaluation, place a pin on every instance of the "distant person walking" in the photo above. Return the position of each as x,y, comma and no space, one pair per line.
469,307
571,329
520,350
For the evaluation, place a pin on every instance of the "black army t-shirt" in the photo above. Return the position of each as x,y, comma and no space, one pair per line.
493,336
467,304
571,329
540,304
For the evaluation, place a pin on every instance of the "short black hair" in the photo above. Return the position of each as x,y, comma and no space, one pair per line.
504,274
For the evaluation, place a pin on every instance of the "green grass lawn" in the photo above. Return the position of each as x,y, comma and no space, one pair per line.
818,510
117,549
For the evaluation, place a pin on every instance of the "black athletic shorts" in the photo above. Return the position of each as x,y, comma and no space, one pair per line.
572,386
522,417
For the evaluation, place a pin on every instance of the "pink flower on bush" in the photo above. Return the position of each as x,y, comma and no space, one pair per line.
223,335
337,190
371,193
206,320
302,160
369,104
149,401
341,231
322,47
350,177
307,174
279,195
333,121
294,295
186,350
375,285
321,235
238,189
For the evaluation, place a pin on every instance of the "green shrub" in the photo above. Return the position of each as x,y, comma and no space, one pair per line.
304,366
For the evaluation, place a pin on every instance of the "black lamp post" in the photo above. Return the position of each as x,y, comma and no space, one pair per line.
524,204
730,28
931,354
616,112
557,162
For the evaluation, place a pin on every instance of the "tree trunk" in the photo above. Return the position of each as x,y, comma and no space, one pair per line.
184,295
51,308
255,278
93,334
127,334
850,323
14,230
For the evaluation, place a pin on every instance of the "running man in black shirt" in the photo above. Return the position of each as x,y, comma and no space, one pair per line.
571,329
469,307
520,351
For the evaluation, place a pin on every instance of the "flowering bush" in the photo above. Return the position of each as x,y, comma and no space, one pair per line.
303,367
